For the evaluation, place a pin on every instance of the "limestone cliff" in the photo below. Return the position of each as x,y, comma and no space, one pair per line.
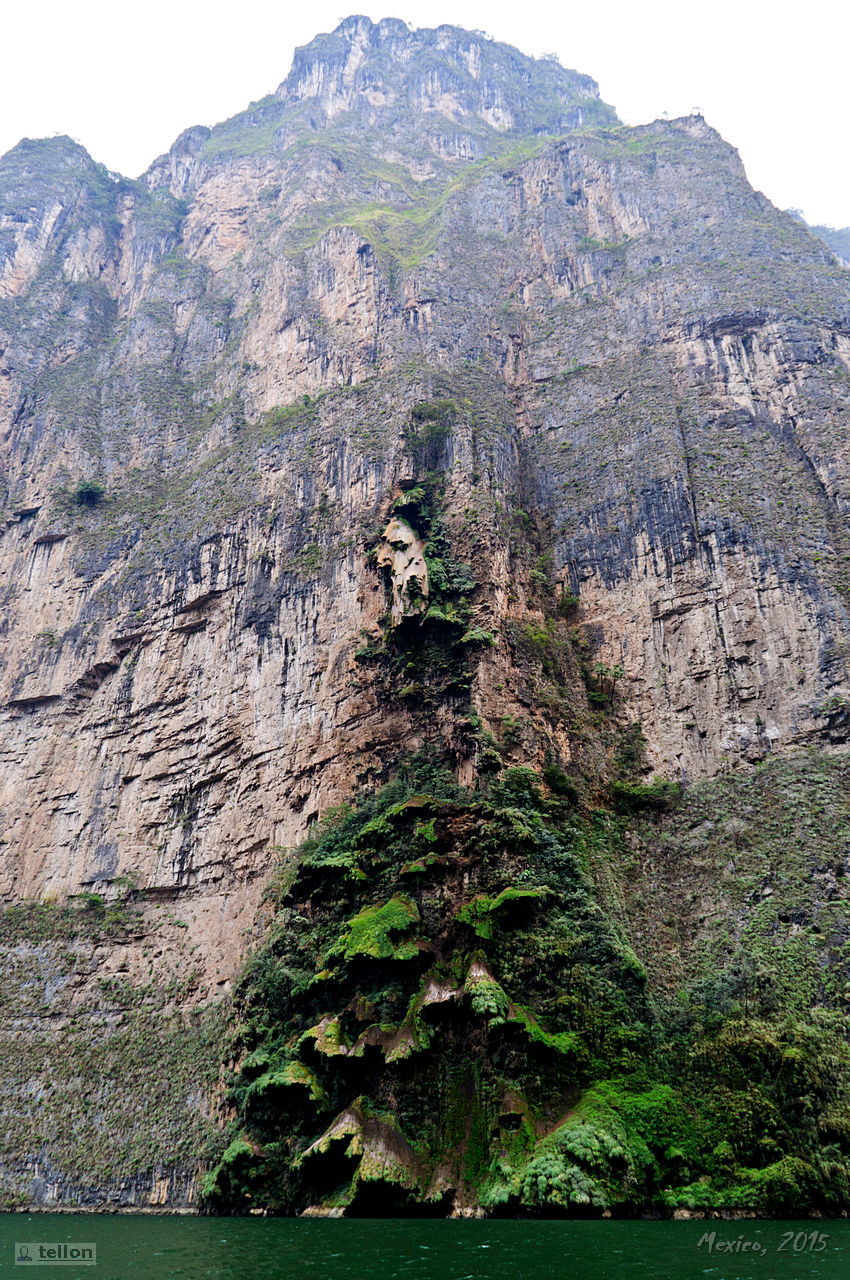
424,354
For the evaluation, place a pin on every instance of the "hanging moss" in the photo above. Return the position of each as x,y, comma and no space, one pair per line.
408,994
443,1012
369,931
426,658
478,913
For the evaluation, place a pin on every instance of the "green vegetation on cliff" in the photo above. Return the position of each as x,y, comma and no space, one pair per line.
447,1013
105,1078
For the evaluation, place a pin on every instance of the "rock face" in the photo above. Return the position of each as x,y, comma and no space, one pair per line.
401,553
426,259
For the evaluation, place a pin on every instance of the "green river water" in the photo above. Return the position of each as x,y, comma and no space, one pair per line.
186,1248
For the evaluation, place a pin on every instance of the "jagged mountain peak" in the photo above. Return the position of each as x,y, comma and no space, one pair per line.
444,88
446,70
59,154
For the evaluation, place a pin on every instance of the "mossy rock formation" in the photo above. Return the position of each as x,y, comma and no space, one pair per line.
443,1017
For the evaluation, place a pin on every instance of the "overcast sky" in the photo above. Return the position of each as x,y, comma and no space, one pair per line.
125,79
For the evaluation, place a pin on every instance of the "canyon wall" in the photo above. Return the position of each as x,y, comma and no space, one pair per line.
426,258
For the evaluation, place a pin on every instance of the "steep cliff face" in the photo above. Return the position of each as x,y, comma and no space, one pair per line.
422,405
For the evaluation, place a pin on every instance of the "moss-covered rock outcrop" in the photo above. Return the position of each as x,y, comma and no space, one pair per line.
444,1018
438,989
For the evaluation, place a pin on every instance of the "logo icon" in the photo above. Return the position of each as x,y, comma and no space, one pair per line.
39,1254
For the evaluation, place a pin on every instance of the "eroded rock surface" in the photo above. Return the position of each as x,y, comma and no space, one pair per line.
647,374
401,553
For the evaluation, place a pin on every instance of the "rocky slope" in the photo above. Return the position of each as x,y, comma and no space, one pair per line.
422,407
837,239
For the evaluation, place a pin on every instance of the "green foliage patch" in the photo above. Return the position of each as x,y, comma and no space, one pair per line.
443,975
427,657
89,493
432,953
369,931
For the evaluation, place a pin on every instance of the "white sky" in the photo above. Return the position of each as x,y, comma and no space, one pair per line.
126,78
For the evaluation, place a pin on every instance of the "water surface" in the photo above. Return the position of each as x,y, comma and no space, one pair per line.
185,1248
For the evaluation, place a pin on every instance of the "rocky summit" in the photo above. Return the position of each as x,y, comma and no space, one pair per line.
424,567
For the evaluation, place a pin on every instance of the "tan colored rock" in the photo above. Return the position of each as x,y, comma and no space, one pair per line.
400,552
